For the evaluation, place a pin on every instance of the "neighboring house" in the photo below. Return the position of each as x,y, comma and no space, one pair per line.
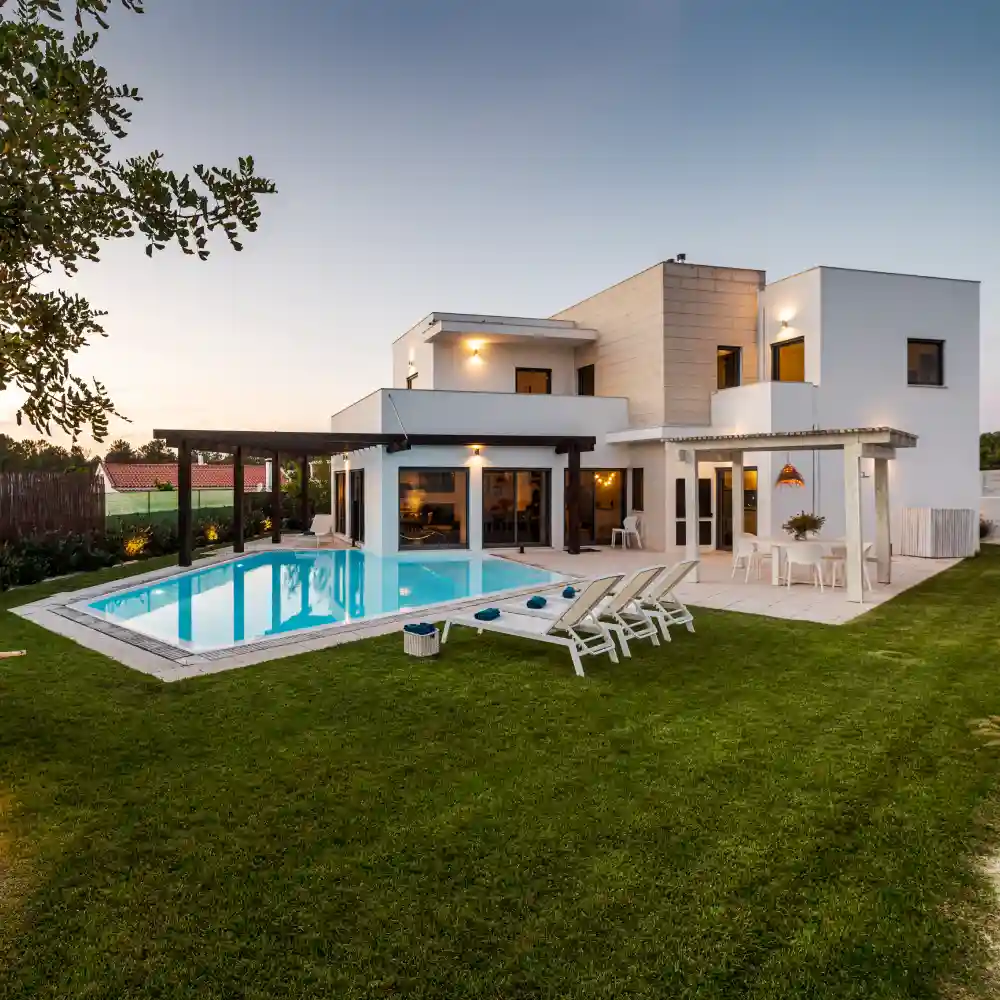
679,350
127,477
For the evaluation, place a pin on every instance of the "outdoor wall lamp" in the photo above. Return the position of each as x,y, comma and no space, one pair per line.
784,324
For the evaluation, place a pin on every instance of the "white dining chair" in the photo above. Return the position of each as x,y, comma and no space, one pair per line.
745,555
838,564
629,528
809,554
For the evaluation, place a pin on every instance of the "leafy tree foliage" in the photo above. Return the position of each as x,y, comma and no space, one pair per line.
28,456
989,450
157,451
121,451
62,195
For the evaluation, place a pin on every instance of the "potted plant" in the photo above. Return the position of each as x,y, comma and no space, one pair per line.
802,525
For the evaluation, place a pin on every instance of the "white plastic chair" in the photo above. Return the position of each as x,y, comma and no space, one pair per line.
838,562
805,554
745,554
630,527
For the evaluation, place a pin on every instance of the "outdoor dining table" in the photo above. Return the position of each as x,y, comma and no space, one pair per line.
778,546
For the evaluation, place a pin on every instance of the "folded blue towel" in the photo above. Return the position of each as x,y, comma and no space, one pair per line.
569,592
420,628
487,614
537,602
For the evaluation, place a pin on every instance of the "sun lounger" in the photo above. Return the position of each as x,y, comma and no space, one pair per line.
663,605
619,612
573,628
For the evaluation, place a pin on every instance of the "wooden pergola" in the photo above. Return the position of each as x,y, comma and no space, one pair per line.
878,443
303,444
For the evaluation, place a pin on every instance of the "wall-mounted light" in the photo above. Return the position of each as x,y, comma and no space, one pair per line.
784,324
475,451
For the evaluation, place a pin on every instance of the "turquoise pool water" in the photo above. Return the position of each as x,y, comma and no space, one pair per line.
274,593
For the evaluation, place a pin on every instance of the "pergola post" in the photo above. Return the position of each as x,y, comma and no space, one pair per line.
852,513
883,537
184,520
276,498
239,501
304,492
573,500
737,498
691,548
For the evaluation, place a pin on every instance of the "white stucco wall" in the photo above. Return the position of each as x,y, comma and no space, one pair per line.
493,369
856,325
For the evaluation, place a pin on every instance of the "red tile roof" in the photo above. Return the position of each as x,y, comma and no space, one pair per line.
145,476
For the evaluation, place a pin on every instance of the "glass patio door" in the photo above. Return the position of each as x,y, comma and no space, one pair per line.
515,507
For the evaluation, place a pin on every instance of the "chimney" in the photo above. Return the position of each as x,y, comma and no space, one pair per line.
268,471
201,458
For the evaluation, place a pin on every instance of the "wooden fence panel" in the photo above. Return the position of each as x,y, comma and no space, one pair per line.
39,503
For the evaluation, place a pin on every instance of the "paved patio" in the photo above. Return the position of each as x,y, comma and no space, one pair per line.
718,589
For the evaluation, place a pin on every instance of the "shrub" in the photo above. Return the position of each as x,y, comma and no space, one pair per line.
985,527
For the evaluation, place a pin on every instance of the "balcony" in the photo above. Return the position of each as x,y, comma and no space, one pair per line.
762,407
442,411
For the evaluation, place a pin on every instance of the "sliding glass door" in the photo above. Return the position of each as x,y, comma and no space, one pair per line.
515,507
602,504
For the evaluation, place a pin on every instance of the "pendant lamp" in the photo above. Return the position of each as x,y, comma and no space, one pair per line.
789,476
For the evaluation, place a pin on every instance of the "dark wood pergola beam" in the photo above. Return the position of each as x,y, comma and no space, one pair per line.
266,443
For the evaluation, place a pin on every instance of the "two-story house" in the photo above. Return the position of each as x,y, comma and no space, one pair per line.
679,350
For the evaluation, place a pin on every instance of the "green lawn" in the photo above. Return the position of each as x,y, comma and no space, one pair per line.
763,809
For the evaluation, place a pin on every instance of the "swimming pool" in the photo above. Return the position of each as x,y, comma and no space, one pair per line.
274,593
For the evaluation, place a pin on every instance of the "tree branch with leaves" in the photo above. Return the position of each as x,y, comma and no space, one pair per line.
62,196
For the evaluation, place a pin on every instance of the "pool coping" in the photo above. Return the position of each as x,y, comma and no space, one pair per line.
173,663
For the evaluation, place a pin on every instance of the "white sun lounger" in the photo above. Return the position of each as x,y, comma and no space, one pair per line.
620,612
663,605
573,628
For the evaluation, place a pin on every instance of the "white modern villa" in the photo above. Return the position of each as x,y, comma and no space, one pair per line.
680,375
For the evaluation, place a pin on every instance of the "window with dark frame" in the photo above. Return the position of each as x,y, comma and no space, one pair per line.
728,362
788,361
433,508
411,380
585,383
924,362
638,488
533,380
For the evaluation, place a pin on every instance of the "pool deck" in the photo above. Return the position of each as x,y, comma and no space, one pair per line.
717,589
171,663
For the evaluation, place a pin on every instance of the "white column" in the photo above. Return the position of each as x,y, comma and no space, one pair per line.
852,515
474,515
737,498
347,499
691,550
557,506
883,538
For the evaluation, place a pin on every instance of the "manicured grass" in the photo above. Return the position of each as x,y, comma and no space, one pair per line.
763,809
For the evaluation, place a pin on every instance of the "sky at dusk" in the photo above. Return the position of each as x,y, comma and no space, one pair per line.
516,157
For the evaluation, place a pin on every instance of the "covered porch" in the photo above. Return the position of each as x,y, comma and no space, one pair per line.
877,443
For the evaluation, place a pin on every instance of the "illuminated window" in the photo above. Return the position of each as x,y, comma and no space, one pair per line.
433,507
533,380
788,361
